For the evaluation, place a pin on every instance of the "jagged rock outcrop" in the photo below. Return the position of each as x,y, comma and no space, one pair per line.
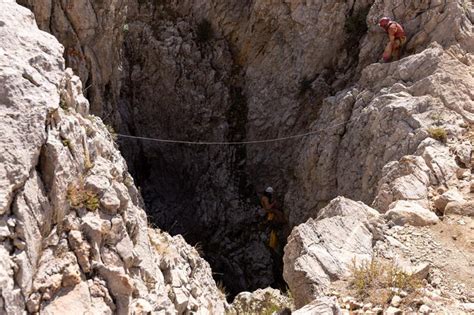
73,235
388,113
323,250
92,35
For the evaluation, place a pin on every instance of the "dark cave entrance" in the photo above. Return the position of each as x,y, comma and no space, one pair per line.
226,226
204,193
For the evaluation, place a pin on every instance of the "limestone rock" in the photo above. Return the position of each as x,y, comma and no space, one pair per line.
110,201
396,300
460,208
374,140
412,213
406,179
260,301
319,252
450,196
92,34
344,207
64,246
322,305
393,311
76,300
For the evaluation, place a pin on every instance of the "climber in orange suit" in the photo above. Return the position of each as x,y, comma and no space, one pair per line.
397,39
275,217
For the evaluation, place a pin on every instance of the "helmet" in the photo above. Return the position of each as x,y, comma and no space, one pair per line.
384,22
269,190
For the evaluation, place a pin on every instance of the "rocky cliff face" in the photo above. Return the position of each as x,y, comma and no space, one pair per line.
73,237
244,70
92,34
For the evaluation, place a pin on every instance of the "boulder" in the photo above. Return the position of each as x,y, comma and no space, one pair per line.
345,207
460,208
70,301
452,195
319,252
260,301
323,305
412,213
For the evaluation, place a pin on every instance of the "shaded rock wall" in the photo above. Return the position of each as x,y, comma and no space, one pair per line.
227,87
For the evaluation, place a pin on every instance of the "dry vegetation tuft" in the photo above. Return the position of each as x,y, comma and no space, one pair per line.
378,282
438,133
79,197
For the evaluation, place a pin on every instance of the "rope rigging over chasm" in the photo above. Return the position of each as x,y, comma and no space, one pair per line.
224,143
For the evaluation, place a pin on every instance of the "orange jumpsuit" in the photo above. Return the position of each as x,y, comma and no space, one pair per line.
397,37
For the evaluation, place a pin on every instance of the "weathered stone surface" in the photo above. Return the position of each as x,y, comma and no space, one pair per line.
25,100
344,207
388,121
319,252
92,35
232,81
322,305
450,196
110,201
64,248
406,179
460,208
260,301
76,301
229,87
412,213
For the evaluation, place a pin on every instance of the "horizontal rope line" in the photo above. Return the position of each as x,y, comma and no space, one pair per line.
235,142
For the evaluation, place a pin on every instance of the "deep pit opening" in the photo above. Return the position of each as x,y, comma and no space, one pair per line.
232,240
206,194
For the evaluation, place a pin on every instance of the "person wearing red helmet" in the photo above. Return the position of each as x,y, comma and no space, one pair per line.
397,39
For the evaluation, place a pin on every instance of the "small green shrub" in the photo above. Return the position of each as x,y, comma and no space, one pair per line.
204,31
87,161
128,181
89,132
270,309
437,117
79,197
438,133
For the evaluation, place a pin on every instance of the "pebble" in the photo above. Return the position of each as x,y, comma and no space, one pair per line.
424,309
393,311
396,301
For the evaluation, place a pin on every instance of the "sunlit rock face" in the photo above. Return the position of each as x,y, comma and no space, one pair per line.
224,71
